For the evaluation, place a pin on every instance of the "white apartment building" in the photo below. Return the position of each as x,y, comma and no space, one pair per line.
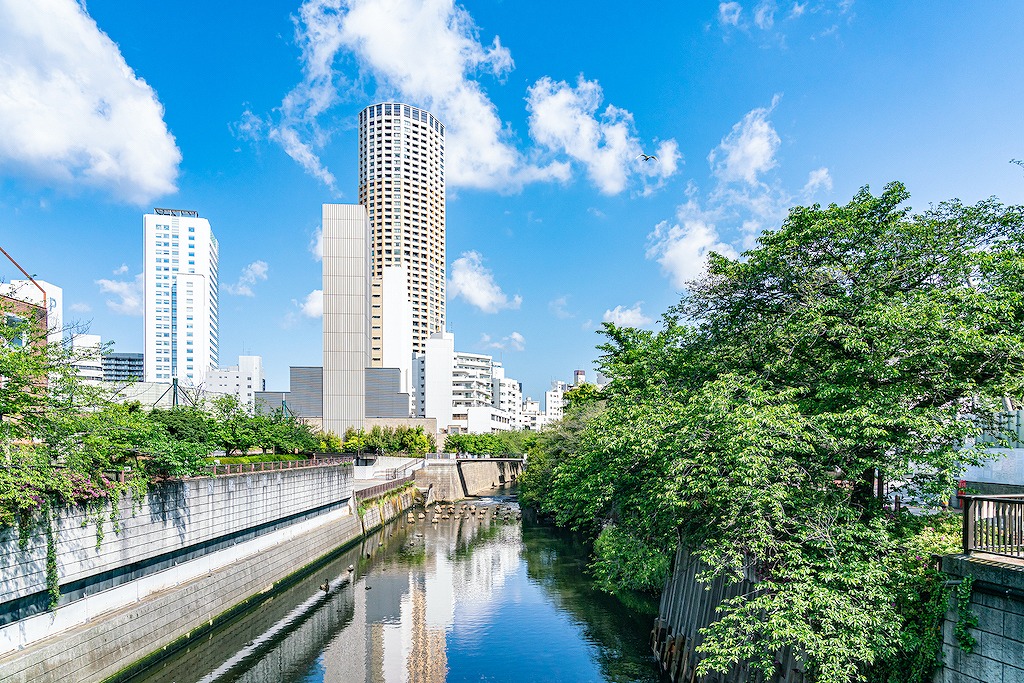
554,401
44,294
507,395
242,380
401,184
87,356
458,389
181,297
391,324
533,418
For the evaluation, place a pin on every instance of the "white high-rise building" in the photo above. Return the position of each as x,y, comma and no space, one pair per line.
181,297
401,184
242,380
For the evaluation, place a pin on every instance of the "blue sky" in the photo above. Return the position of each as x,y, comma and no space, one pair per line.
246,112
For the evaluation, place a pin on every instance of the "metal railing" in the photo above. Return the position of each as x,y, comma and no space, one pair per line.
374,491
994,525
272,466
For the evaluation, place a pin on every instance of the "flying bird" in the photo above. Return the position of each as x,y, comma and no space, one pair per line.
646,157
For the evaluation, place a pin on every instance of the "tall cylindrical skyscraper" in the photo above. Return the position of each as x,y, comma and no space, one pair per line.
401,184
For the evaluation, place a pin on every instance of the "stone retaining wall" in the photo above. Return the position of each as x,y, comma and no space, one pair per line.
997,599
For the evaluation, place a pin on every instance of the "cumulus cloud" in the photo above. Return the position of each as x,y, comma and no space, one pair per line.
682,248
512,342
80,307
627,317
387,41
313,305
474,283
120,270
73,113
798,10
569,120
316,244
729,13
818,179
749,149
251,274
128,295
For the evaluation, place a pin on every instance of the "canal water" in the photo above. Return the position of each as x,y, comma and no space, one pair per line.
479,595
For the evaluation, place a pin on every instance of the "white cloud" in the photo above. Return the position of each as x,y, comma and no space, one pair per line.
559,307
80,307
818,179
798,10
627,317
73,112
313,305
513,342
251,274
729,13
129,299
749,148
316,244
764,14
564,119
682,248
120,270
389,40
475,283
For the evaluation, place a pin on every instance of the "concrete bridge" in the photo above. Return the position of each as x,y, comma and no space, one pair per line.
457,478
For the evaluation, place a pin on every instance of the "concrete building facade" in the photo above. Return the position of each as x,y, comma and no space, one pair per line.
42,294
182,316
242,380
401,184
346,315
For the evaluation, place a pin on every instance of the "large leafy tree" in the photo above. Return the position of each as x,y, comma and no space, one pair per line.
854,340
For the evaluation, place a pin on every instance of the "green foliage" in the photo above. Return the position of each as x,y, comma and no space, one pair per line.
966,619
495,443
329,442
582,395
854,339
52,577
172,458
385,440
186,423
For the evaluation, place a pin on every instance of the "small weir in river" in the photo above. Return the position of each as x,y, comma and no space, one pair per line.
473,595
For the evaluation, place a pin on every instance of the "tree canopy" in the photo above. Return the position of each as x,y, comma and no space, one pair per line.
854,339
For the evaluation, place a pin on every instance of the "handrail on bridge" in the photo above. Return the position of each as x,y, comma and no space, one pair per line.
994,525
274,465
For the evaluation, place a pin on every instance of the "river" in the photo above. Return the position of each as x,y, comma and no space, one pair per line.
474,597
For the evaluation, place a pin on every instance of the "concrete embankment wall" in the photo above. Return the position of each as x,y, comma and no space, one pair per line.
385,508
102,633
687,606
458,479
997,599
177,521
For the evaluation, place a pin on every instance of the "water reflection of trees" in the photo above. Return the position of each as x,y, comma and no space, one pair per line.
557,561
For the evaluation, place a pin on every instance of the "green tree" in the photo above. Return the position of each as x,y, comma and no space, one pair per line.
854,339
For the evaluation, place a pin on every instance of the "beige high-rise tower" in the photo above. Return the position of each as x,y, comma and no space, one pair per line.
401,184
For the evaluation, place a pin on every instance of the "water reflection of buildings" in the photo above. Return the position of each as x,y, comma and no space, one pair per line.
410,608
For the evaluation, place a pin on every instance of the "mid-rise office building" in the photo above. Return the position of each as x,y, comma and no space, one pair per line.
401,184
123,367
181,297
242,381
